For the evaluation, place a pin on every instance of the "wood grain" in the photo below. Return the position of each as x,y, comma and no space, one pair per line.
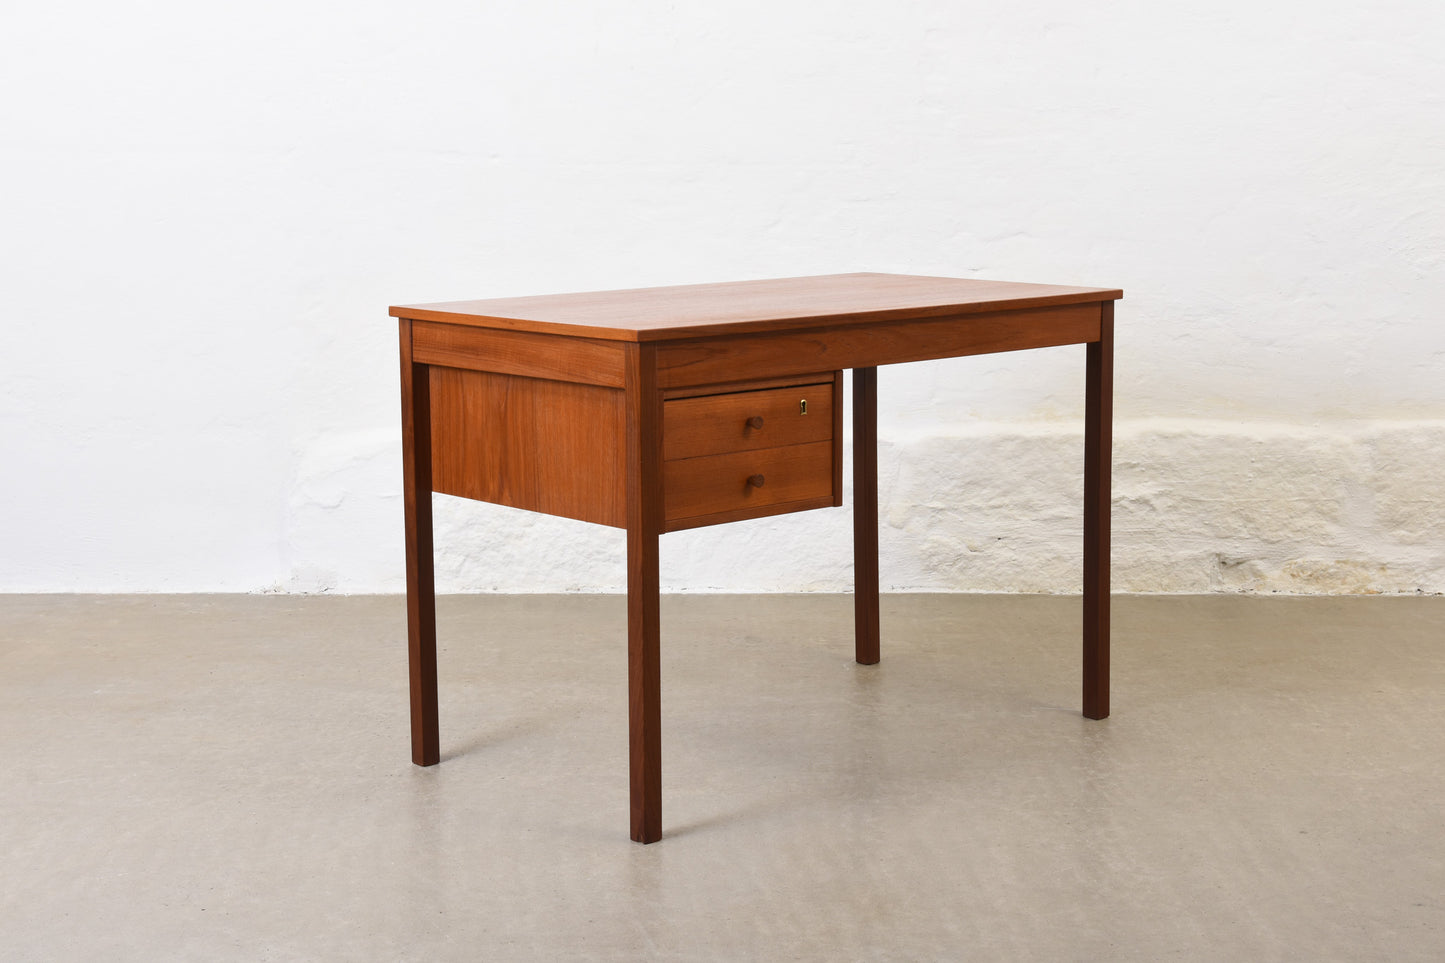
743,514
695,487
546,446
747,384
644,526
865,516
583,360
421,627
870,345
695,310
837,439
1098,486
711,424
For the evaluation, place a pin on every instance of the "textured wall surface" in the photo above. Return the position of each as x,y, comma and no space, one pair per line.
207,211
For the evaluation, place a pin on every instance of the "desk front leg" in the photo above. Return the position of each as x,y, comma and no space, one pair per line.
644,687
1098,458
421,620
644,526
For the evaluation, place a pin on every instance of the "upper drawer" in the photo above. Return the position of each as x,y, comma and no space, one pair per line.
747,420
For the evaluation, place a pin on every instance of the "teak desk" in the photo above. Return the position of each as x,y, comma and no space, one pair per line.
660,409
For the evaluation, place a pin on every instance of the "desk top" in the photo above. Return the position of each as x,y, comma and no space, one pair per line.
701,310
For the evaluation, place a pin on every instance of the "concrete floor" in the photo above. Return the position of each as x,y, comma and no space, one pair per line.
226,778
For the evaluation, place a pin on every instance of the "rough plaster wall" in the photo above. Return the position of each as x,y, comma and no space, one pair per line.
207,210
1199,507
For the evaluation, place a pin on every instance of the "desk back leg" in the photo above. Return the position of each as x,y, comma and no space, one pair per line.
865,515
1098,458
421,616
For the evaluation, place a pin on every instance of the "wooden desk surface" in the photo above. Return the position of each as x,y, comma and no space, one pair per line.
735,307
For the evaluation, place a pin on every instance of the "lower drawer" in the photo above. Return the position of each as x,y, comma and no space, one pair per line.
745,484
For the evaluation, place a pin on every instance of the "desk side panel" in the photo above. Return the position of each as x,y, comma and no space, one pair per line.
869,345
546,446
581,360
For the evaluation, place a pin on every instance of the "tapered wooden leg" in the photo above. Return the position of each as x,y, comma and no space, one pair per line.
1098,451
644,525
644,687
421,627
865,515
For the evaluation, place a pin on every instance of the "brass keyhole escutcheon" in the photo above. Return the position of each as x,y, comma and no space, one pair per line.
803,407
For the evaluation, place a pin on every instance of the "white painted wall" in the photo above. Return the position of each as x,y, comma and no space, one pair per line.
207,209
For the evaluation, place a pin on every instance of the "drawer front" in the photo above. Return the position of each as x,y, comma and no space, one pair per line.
747,420
729,483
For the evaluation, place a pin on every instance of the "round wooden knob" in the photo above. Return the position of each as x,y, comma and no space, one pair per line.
756,421
755,481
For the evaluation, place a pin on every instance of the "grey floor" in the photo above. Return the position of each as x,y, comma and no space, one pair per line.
226,778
